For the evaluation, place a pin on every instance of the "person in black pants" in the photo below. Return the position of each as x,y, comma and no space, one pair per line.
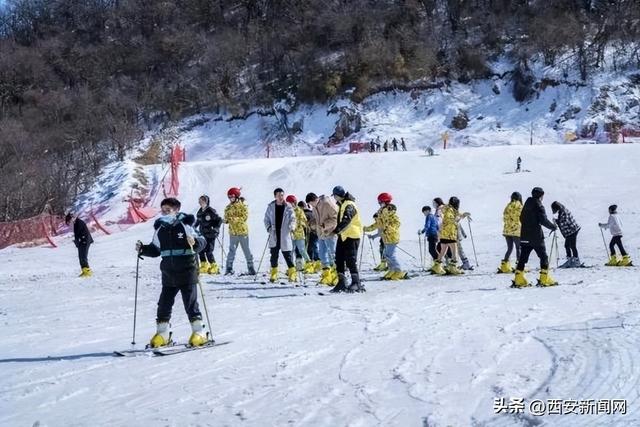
208,223
349,231
569,229
280,221
533,217
178,244
83,240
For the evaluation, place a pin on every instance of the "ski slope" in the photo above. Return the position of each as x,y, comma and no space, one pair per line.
430,351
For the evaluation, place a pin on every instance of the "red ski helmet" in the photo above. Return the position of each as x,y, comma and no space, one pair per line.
291,199
233,191
384,198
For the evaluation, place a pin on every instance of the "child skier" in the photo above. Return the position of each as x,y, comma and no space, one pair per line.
377,226
83,240
533,218
511,230
615,227
177,243
390,229
430,230
569,229
449,237
236,215
208,223
299,235
280,222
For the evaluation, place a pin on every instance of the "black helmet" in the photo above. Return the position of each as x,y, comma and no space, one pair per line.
537,192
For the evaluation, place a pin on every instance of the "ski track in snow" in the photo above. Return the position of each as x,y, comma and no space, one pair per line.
429,351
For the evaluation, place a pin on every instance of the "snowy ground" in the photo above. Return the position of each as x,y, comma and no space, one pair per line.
428,351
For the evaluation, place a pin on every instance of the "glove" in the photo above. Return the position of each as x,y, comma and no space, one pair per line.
191,240
601,225
421,231
371,236
138,246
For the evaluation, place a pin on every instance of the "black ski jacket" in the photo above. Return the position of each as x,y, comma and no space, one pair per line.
81,234
178,265
208,222
533,217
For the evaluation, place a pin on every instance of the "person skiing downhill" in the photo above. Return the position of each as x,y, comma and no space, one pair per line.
83,240
569,229
349,231
511,231
533,217
280,222
615,227
208,223
176,241
236,215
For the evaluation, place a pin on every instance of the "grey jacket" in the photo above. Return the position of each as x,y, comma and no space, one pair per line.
288,225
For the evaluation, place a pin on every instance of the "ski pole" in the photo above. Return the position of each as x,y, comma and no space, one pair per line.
397,246
204,301
373,253
604,241
222,247
361,252
555,238
135,299
551,249
261,258
473,245
421,257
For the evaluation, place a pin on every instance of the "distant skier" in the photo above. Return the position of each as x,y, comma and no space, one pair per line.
349,231
325,220
394,144
372,146
430,230
449,237
83,240
280,222
236,215
430,151
615,227
378,144
385,147
533,218
569,229
511,231
299,236
403,144
518,163
208,223
177,243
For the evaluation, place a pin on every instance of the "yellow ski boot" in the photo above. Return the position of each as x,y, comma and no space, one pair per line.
388,275
626,262
505,267
86,272
452,268
438,269
198,335
317,265
309,267
545,279
204,267
520,281
613,261
381,267
214,269
326,277
399,275
273,276
292,274
162,336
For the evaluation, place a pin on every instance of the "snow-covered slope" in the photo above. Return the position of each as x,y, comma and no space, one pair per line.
427,351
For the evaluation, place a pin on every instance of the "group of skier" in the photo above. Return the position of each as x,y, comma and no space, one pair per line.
378,146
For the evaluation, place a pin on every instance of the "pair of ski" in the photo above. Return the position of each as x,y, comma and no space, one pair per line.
167,350
513,286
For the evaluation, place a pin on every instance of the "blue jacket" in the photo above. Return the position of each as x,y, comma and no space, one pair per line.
430,225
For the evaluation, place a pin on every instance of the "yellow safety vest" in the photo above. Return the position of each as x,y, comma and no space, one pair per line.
354,229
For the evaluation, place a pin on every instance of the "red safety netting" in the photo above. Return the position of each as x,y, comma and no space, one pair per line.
39,229
356,147
171,183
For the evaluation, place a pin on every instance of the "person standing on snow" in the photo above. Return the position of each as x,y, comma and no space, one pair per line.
349,231
299,236
312,236
449,237
615,227
569,229
377,226
236,215
466,265
325,217
385,147
518,163
533,218
403,144
430,230
280,222
390,229
83,240
208,223
511,230
177,243
394,144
